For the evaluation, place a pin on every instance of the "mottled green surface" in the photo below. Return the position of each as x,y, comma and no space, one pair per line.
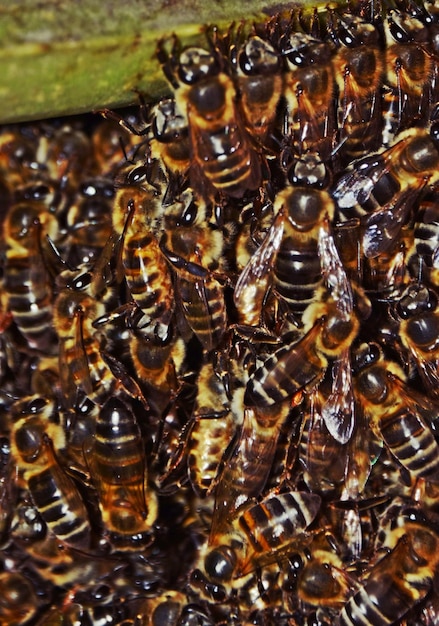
59,57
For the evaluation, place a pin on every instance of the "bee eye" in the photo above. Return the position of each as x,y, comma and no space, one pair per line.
398,33
189,215
196,64
137,175
81,282
258,57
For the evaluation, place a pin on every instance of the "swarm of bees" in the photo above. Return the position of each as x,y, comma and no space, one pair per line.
219,348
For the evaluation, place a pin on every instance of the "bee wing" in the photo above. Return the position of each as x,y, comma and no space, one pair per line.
245,474
338,410
382,227
129,384
79,368
428,370
333,271
353,188
103,271
252,283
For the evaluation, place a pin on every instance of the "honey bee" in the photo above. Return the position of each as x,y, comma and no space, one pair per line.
397,414
18,155
146,269
118,469
358,68
380,190
84,365
248,466
399,581
213,428
417,309
27,283
322,580
294,255
35,438
222,155
408,67
88,222
260,84
261,534
170,143
423,256
195,252
330,326
67,152
309,86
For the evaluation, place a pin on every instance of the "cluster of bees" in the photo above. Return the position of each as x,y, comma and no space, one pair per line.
219,348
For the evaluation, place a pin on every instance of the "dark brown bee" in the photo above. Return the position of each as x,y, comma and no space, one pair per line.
35,437
136,219
423,255
88,222
309,92
194,248
417,309
294,255
84,364
330,325
398,581
407,72
260,535
27,283
260,84
247,468
381,190
223,158
171,144
213,427
118,469
358,68
397,414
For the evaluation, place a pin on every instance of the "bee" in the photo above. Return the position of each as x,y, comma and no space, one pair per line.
223,158
330,326
260,84
118,469
261,534
146,269
399,581
35,437
381,190
89,222
27,282
417,310
423,255
292,256
309,86
408,68
194,246
396,414
248,467
170,144
212,430
84,365
358,67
